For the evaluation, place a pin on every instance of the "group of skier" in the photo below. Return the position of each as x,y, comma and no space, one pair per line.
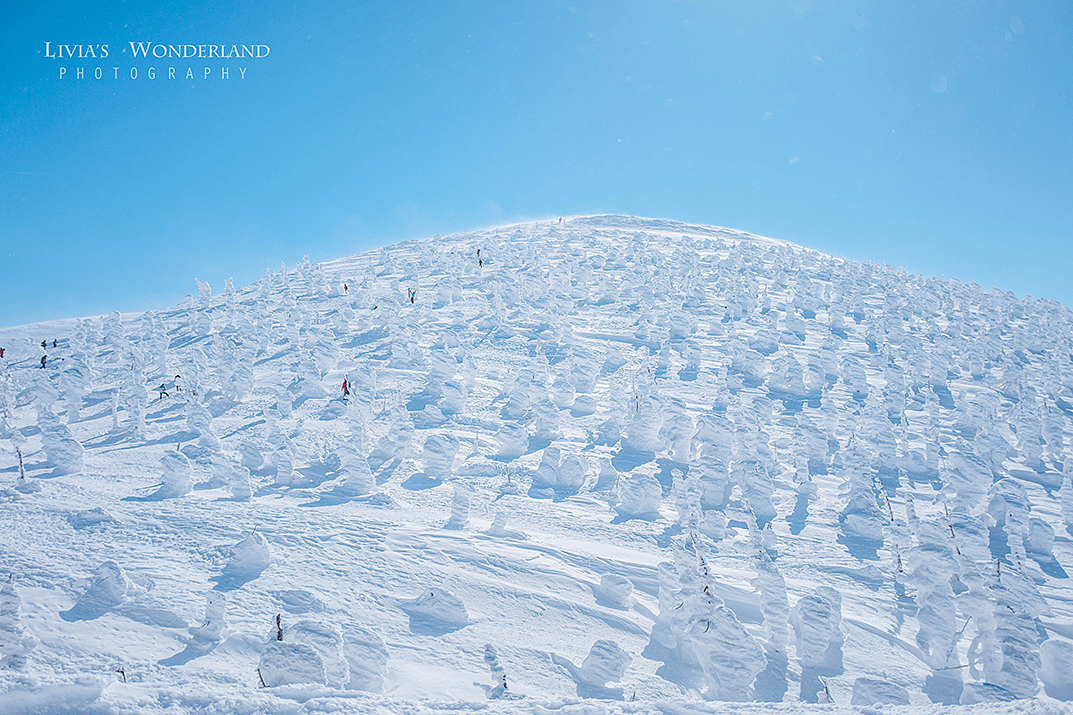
163,389
44,346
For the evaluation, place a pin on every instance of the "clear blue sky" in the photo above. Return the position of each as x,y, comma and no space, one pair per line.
817,122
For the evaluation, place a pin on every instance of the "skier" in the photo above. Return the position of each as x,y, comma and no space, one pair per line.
55,342
413,294
44,345
177,387
346,388
163,391
345,288
1,352
43,359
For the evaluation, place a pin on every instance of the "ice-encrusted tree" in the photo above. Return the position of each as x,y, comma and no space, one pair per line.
439,454
176,480
695,626
773,601
498,688
249,557
931,563
366,655
353,463
63,451
816,619
199,421
462,496
234,475
214,621
15,643
637,495
861,518
1066,495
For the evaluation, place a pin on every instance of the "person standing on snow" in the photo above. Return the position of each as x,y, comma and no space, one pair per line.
43,359
413,294
346,388
44,345
163,391
177,387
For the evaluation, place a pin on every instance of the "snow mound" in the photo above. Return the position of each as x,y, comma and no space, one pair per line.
89,517
869,691
559,474
436,609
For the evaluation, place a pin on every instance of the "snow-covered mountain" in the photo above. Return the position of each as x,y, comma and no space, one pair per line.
609,459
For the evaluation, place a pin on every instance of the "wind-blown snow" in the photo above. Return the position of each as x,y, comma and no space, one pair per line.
625,465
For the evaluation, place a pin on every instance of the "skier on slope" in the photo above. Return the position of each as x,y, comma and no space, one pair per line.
177,387
346,388
43,359
413,294
163,391
1,352
44,345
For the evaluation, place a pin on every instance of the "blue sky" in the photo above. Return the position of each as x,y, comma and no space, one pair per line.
935,136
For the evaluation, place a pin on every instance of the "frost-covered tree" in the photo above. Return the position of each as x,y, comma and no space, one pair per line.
439,454
816,619
637,495
199,421
696,627
176,480
215,620
460,503
63,451
249,557
15,643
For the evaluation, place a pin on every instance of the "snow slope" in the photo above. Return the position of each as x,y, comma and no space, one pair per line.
617,465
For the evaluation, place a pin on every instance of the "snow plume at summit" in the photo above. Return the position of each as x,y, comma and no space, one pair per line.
609,464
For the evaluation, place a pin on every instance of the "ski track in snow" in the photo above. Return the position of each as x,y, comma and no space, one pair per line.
866,415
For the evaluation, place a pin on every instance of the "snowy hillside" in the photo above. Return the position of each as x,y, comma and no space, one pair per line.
609,465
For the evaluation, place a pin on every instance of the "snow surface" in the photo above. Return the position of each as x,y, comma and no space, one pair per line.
624,466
